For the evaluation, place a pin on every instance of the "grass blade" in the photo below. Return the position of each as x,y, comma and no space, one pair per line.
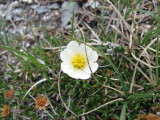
40,81
123,112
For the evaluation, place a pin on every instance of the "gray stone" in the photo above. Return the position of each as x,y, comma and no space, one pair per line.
1,6
11,6
17,19
47,16
7,13
1,12
17,11
40,9
11,31
68,9
8,17
27,1
54,6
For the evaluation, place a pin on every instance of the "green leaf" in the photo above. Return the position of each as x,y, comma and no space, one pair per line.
123,112
24,56
147,12
149,35
144,95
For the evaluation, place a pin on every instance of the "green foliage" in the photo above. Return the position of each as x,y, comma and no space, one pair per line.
40,73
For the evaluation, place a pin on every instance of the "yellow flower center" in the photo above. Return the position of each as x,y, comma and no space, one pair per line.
78,61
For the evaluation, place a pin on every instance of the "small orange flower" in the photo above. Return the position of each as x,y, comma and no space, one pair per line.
108,72
41,102
152,117
5,110
147,117
9,93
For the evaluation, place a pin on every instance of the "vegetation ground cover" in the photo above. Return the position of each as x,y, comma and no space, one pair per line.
126,36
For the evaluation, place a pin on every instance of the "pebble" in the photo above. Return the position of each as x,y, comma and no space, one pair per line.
8,17
17,19
54,6
27,1
40,9
94,4
12,5
47,17
1,6
67,11
17,11
7,13
1,12
11,31
35,12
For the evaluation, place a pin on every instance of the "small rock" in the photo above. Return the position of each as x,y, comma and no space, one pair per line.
56,13
70,6
54,6
17,71
11,31
1,33
17,11
28,45
11,6
1,12
94,4
7,13
17,19
40,9
8,17
47,17
36,1
27,1
67,11
1,6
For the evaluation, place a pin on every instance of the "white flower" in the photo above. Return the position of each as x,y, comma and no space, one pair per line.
79,61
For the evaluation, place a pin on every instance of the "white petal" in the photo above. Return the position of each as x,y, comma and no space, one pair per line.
67,67
85,75
70,52
76,74
93,56
85,49
92,66
65,56
87,69
73,45
79,74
